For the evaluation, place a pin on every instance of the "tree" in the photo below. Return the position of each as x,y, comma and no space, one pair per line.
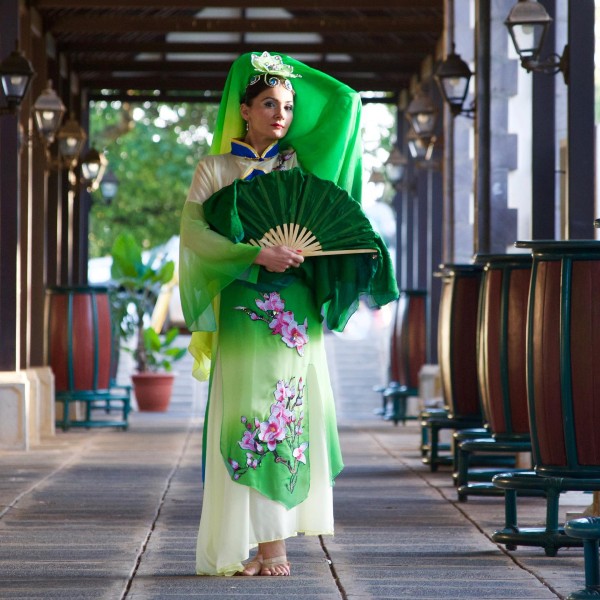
152,148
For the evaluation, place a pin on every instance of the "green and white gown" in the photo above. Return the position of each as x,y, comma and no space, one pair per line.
271,445
271,449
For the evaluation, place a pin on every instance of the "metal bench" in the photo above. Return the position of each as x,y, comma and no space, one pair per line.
588,530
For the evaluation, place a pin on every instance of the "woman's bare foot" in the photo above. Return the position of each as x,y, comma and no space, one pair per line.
253,566
274,560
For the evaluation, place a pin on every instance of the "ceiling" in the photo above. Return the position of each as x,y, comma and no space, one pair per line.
187,48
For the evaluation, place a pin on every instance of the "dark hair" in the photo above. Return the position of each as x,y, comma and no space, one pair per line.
260,85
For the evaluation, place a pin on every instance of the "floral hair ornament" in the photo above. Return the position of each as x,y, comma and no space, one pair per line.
273,70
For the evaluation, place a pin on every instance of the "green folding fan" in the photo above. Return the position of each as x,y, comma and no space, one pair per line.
293,209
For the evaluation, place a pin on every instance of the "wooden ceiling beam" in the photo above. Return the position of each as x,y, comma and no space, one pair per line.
367,47
198,66
342,5
199,84
177,97
117,25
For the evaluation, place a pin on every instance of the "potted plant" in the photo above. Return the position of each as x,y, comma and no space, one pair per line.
136,284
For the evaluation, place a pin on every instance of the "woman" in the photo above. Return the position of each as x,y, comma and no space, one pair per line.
271,450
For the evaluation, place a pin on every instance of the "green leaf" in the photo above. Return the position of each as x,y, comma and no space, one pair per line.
171,335
152,340
127,257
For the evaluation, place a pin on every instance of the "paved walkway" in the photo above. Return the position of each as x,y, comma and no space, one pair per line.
105,514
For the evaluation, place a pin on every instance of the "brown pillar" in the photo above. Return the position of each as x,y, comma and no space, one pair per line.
9,205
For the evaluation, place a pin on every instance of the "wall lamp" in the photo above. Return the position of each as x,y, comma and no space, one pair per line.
93,167
528,23
69,139
422,114
109,186
16,74
420,146
395,167
48,111
453,76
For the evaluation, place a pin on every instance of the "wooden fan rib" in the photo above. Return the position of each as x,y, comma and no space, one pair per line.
347,251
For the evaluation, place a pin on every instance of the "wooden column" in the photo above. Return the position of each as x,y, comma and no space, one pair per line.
9,206
543,226
482,242
581,165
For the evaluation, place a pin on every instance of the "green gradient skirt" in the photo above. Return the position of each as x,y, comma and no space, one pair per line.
272,362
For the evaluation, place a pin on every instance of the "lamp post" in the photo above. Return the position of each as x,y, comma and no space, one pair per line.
528,24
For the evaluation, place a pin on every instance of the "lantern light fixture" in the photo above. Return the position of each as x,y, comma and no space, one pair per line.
109,186
420,147
48,111
453,76
93,167
395,166
528,23
422,114
16,74
70,139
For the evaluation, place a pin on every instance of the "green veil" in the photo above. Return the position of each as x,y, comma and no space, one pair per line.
325,132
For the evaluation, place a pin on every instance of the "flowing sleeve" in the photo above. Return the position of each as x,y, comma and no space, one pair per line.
208,262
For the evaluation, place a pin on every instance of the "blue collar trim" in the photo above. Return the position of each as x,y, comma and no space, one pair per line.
239,148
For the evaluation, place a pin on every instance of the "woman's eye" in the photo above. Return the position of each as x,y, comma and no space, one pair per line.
289,108
269,104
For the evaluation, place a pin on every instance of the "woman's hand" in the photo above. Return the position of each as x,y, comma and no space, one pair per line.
279,258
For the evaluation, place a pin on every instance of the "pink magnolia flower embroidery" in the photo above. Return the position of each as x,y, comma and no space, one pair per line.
280,320
272,302
281,434
294,335
279,411
299,452
248,442
271,432
284,391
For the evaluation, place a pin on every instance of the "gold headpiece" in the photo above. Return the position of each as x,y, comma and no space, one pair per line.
273,70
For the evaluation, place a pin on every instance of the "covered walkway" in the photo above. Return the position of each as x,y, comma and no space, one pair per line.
106,514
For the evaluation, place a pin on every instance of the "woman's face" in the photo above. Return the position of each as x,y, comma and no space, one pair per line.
269,116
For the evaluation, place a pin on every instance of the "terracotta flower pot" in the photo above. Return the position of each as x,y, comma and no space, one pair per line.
153,391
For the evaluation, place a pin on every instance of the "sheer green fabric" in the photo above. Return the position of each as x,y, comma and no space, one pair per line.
325,131
211,262
246,209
